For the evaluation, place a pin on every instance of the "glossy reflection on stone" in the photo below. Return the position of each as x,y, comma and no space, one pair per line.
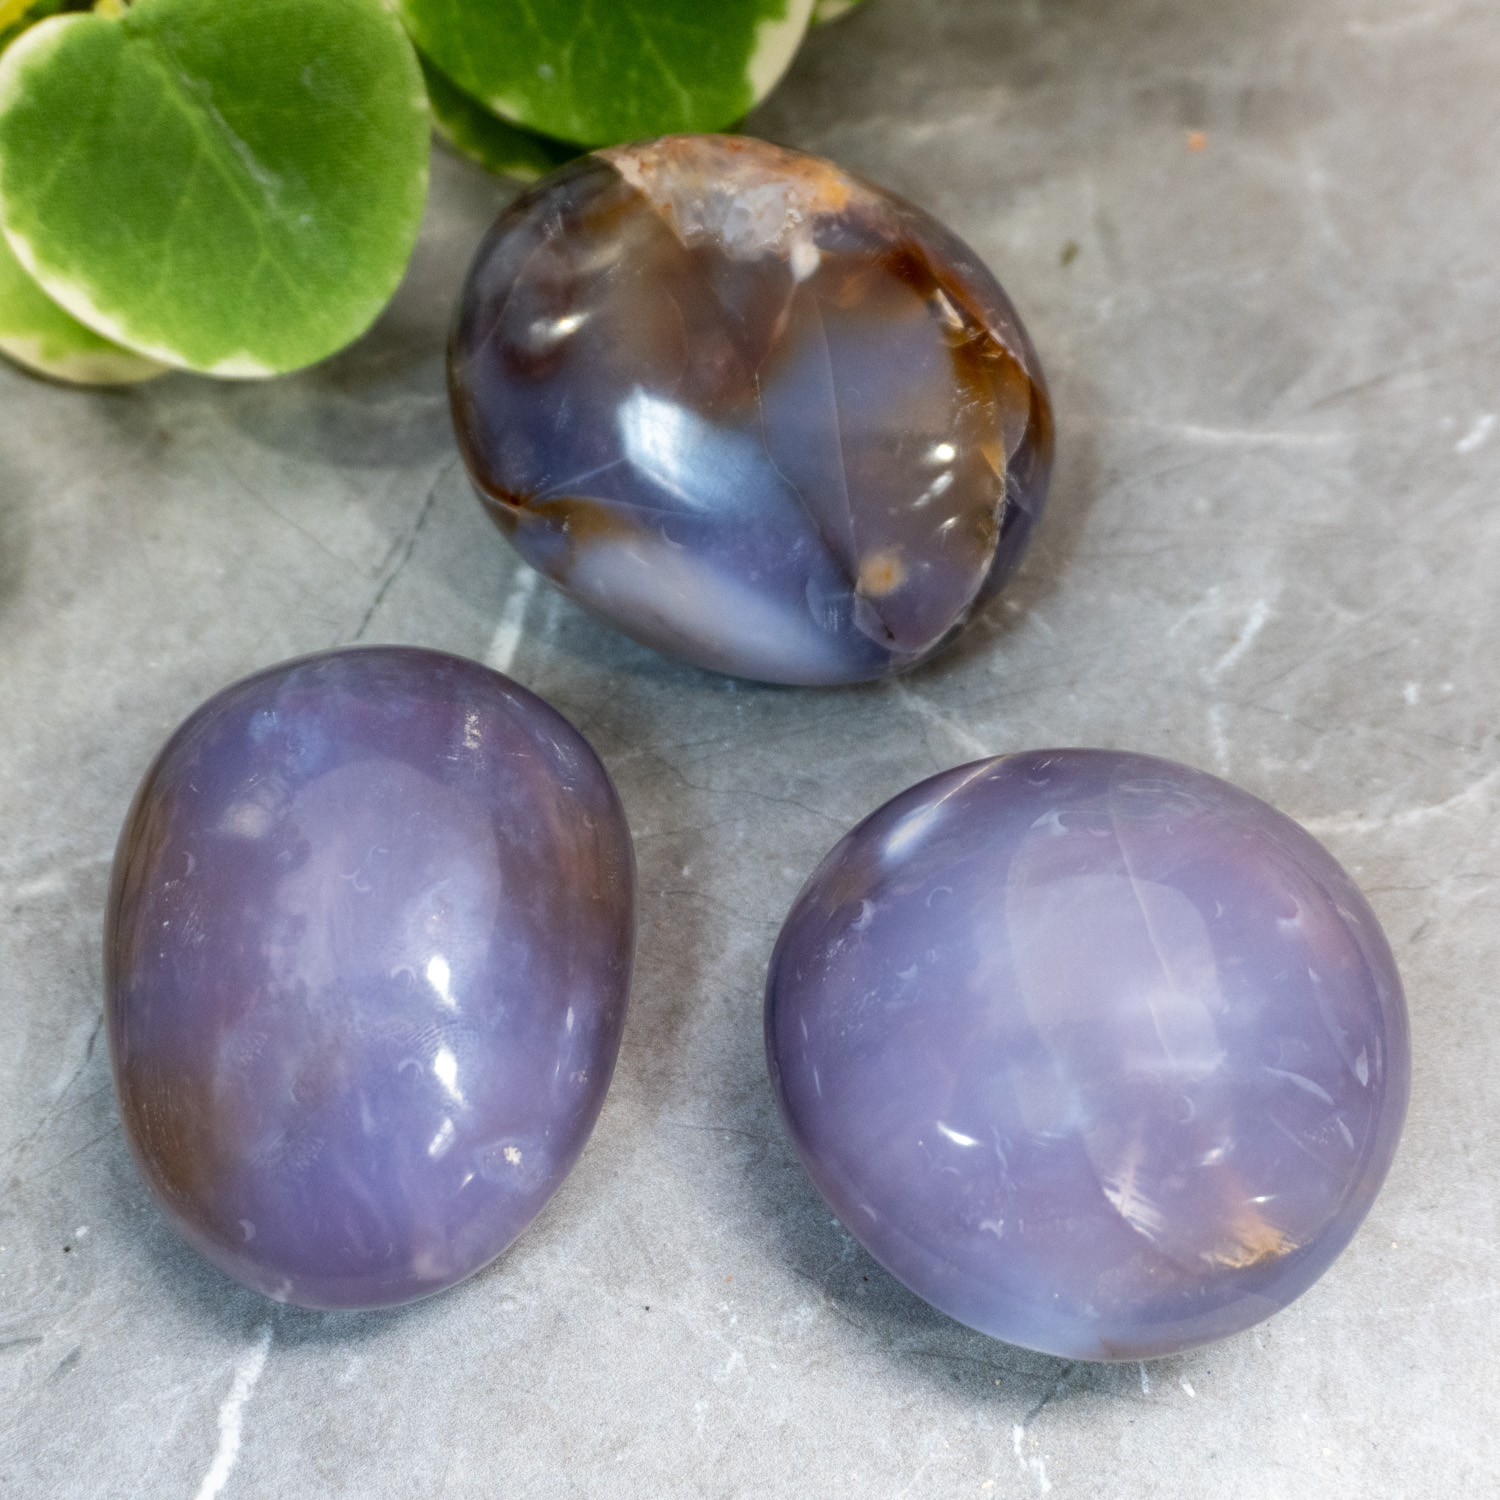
1098,1054
367,955
753,411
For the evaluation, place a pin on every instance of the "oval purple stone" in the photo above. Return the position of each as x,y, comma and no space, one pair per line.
750,409
1096,1053
367,958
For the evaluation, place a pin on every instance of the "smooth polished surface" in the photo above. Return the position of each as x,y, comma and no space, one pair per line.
1270,550
752,410
366,964
1097,1053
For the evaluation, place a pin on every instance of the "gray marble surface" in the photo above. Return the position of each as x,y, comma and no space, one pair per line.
1273,551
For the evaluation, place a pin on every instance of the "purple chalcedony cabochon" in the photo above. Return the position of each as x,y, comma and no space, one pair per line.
750,409
367,958
1096,1053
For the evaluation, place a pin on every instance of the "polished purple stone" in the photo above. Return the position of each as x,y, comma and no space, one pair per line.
367,957
1096,1053
750,409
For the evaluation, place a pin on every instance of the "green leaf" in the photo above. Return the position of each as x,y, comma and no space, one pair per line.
604,71
496,144
232,186
831,10
11,12
17,15
37,333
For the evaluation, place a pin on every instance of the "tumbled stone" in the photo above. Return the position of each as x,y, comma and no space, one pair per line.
750,409
1096,1053
367,957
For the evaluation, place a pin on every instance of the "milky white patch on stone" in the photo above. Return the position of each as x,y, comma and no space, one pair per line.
805,259
1477,435
507,636
682,601
231,1415
749,199
246,820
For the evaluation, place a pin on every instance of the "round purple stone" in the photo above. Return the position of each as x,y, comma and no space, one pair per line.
750,409
1096,1053
367,957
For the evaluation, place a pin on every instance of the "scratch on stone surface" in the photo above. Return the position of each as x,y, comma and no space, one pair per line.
552,614
408,545
749,1135
232,1412
1218,739
1316,181
1047,1396
742,791
1034,1464
52,1166
955,124
1418,369
934,715
507,636
71,1071
1477,435
50,882
1209,603
1240,437
290,524
1398,27
1408,817
1260,612
1465,1298
1034,617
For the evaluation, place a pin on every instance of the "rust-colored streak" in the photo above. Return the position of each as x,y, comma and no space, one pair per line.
1249,1241
576,520
166,1102
690,180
